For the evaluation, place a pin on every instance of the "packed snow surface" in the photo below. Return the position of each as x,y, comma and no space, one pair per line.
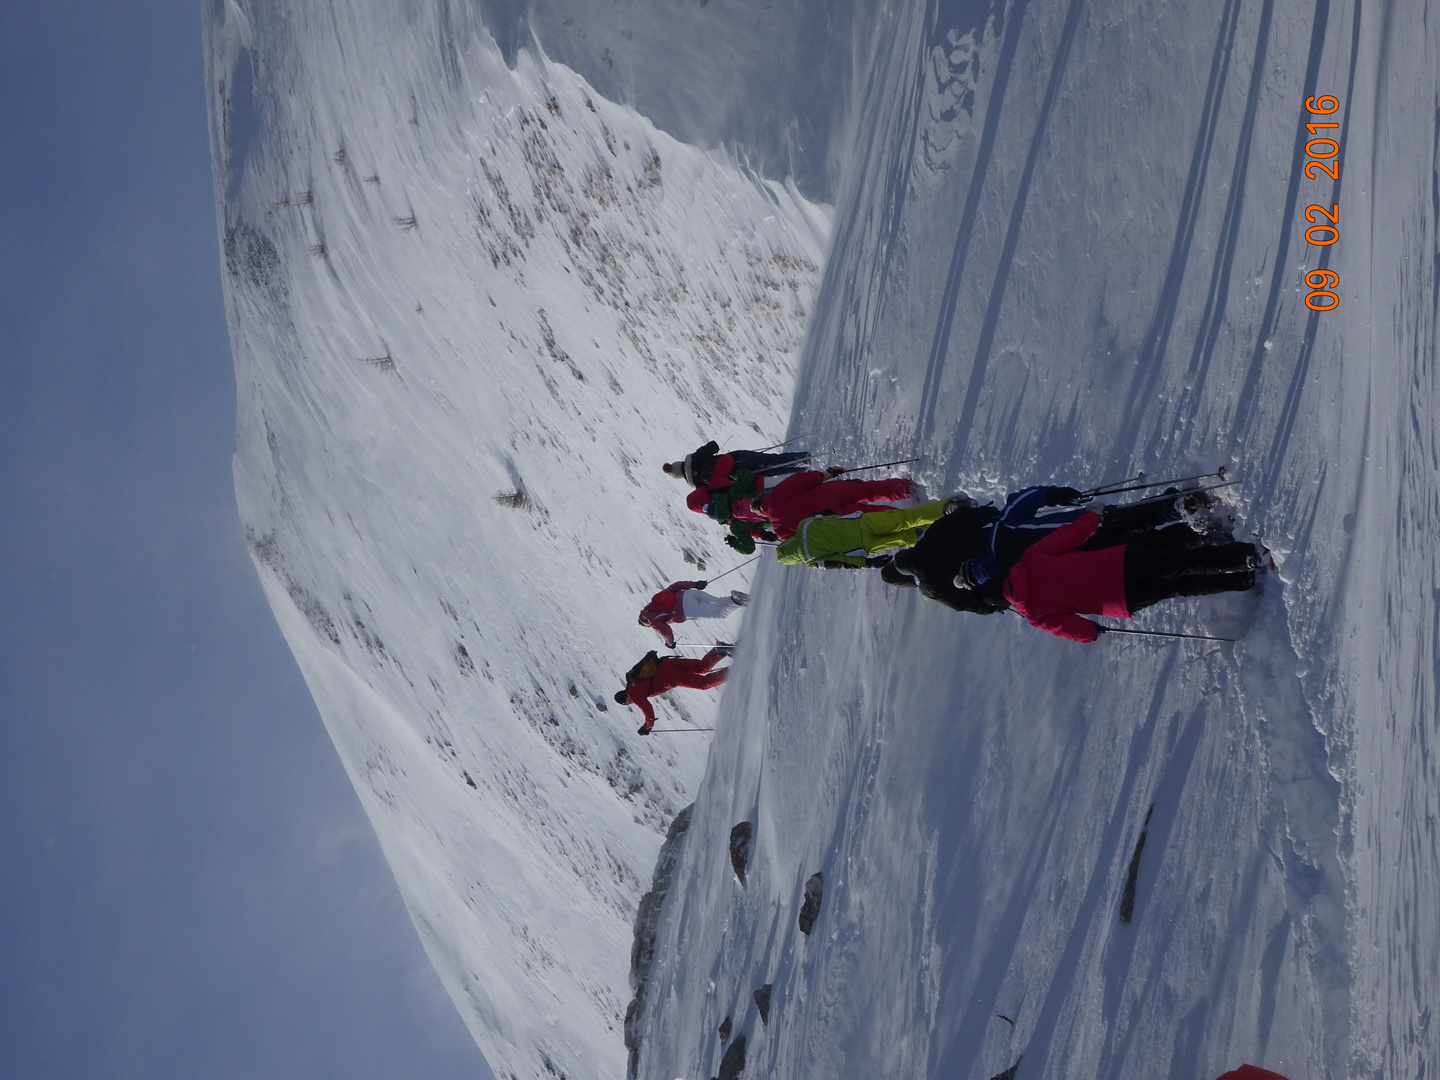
1072,246
472,310
473,305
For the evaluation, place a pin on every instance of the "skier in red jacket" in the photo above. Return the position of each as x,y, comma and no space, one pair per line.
682,600
1054,582
668,673
730,487
770,508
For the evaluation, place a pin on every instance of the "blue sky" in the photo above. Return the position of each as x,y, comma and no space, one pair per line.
188,886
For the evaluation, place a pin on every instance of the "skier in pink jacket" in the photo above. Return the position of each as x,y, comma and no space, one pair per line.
1251,1072
1054,582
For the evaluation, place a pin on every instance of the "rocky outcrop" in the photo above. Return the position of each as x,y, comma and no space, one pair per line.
742,843
733,1063
762,1002
647,919
810,909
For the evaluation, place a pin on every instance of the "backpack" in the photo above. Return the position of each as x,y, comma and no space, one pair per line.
648,665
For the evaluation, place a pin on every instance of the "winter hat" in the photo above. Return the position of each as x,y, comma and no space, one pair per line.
621,698
674,468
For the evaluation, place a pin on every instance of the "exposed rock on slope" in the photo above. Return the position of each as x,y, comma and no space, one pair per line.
810,909
647,917
742,843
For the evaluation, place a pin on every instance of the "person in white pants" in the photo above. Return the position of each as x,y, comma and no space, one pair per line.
682,600
695,604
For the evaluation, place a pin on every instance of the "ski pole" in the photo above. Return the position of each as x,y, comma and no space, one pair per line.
732,569
704,645
1220,472
1180,494
881,465
1152,484
673,730
1103,488
1166,634
768,469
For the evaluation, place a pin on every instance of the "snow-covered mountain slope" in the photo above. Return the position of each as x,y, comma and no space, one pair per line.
472,309
1073,246
773,80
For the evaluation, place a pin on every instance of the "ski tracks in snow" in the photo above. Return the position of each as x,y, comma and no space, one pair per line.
1005,301
1306,822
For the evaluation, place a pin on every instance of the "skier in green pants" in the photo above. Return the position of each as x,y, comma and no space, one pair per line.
853,540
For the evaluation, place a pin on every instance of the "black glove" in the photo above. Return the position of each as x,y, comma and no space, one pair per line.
724,648
643,731
834,471
1101,629
701,584
1064,496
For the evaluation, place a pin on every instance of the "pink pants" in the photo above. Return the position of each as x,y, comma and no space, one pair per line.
787,511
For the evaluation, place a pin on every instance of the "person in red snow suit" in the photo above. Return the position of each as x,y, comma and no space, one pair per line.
731,486
806,494
1054,581
681,600
672,672
1251,1072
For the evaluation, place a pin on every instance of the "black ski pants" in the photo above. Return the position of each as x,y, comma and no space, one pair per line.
1153,524
1154,574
